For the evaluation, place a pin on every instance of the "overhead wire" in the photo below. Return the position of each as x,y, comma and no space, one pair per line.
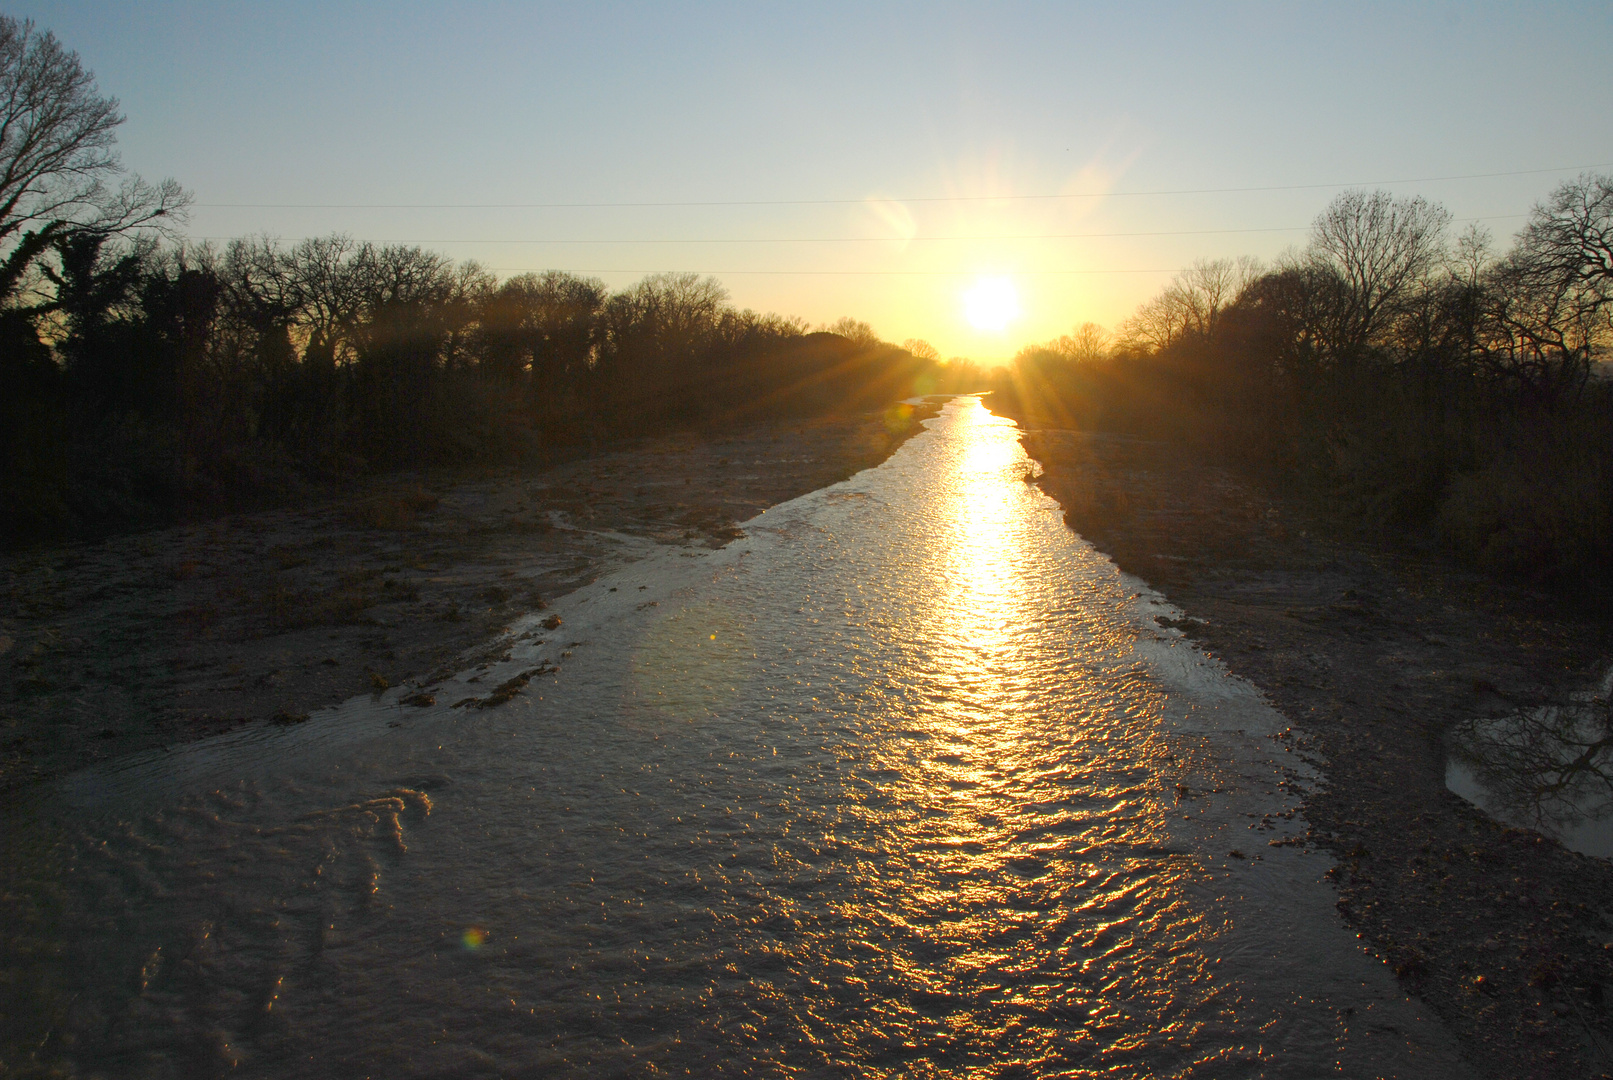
913,199
601,241
836,273
828,239
868,239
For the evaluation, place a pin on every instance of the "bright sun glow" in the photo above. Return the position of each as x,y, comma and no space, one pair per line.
991,303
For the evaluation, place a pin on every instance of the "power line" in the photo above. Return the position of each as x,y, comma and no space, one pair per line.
820,239
831,239
838,273
919,199
873,239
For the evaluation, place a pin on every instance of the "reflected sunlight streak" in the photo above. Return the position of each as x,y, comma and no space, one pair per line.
984,598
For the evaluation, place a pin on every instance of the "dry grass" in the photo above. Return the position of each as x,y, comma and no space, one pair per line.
287,557
394,511
287,609
198,618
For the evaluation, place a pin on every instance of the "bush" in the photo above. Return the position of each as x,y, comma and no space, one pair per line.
1539,509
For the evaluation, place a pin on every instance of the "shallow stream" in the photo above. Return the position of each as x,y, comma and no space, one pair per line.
908,781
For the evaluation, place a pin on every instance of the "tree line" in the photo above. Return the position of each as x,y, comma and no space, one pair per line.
143,378
1417,382
153,380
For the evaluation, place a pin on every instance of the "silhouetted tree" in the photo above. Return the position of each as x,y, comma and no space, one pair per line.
539,333
1549,303
1405,382
1192,303
57,161
1570,237
654,341
853,330
921,349
1380,250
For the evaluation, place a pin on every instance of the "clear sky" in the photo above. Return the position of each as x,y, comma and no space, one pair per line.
847,151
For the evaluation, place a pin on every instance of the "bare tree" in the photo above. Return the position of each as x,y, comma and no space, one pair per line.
1540,329
1472,257
653,332
679,310
854,330
1381,250
1569,238
1157,323
308,293
1209,287
1552,765
1193,303
921,349
1088,344
59,172
545,323
1545,309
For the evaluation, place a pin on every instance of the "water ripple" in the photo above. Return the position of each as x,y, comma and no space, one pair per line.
905,783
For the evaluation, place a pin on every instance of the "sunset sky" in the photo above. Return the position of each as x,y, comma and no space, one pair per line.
860,159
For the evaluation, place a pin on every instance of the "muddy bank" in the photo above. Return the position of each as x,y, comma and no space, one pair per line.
1373,655
163,637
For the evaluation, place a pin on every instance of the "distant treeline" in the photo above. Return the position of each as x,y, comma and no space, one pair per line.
146,381
1419,384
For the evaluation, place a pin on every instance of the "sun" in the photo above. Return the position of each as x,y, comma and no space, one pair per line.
991,303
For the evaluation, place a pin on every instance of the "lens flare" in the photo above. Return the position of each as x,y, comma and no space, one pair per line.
991,303
473,938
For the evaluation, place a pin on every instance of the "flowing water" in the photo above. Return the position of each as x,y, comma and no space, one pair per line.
909,781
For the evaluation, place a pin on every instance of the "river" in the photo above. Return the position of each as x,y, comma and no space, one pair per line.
909,781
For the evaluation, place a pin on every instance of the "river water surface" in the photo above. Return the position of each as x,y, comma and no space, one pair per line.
909,781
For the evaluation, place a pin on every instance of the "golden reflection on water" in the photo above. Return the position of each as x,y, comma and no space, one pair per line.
879,799
974,623
1025,883
983,517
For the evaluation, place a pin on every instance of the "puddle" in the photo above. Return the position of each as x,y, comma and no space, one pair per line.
1548,768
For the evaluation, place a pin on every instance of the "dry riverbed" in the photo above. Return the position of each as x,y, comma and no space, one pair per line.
1373,656
163,637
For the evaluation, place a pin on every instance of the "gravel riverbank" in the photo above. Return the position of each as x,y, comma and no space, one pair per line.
162,637
1373,655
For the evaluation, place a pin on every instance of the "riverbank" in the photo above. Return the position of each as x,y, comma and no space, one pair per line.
163,637
1373,655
